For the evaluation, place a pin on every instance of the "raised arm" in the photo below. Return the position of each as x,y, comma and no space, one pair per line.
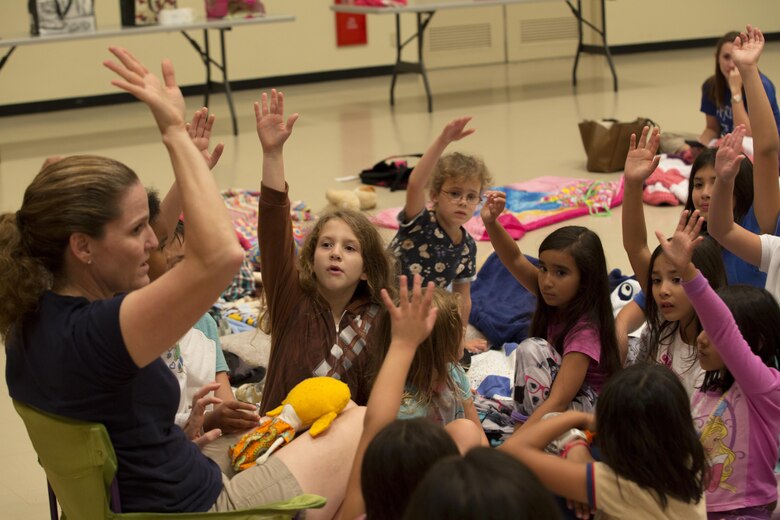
738,109
412,322
563,477
273,132
711,130
641,162
766,143
729,234
213,253
200,132
506,248
748,369
415,189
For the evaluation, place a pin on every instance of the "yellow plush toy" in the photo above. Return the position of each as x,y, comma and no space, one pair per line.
313,403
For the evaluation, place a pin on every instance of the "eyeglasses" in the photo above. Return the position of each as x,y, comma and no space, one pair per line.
457,196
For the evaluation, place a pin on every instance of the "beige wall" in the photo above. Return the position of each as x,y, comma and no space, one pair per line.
66,70
643,21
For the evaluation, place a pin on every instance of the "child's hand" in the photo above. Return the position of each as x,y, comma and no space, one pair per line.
194,425
200,132
412,320
679,250
729,155
164,100
271,127
494,205
455,130
642,160
747,49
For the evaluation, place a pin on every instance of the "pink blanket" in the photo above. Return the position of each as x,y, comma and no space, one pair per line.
537,203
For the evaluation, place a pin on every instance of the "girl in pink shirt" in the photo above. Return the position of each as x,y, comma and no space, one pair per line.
737,409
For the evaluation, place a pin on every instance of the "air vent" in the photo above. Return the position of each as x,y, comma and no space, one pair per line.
460,37
535,30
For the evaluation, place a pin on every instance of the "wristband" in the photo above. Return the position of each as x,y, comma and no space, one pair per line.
736,98
569,446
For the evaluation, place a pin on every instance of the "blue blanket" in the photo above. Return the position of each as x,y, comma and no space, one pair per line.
501,308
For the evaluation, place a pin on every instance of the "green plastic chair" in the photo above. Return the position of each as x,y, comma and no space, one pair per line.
80,465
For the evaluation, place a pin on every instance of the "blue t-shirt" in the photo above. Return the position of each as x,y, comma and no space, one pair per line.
74,363
724,114
739,271
208,326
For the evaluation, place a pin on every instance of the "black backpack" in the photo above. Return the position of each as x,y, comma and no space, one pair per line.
391,172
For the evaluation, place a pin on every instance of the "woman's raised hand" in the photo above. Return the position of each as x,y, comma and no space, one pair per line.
748,47
493,207
272,129
729,155
642,160
163,99
413,318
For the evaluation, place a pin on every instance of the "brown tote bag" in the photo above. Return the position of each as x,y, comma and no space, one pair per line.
606,142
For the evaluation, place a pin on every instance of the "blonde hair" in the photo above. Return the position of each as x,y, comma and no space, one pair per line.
378,264
456,166
78,194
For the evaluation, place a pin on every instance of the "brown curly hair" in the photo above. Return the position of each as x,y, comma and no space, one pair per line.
456,166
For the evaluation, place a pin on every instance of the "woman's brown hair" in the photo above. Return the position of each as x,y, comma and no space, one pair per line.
77,194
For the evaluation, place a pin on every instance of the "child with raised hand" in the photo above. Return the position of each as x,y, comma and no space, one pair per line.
412,321
672,325
436,386
746,242
572,348
652,463
433,242
738,407
323,310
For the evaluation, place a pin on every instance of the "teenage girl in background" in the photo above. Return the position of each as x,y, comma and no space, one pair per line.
744,241
572,348
723,97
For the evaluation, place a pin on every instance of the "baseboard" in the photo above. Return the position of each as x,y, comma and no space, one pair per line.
635,48
331,75
195,90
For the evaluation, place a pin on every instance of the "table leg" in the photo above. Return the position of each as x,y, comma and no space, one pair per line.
418,67
6,56
577,12
226,81
208,61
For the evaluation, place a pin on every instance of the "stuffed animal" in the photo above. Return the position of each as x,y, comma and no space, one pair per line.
313,403
362,197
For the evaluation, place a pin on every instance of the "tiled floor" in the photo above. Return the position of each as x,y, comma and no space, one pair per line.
526,117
